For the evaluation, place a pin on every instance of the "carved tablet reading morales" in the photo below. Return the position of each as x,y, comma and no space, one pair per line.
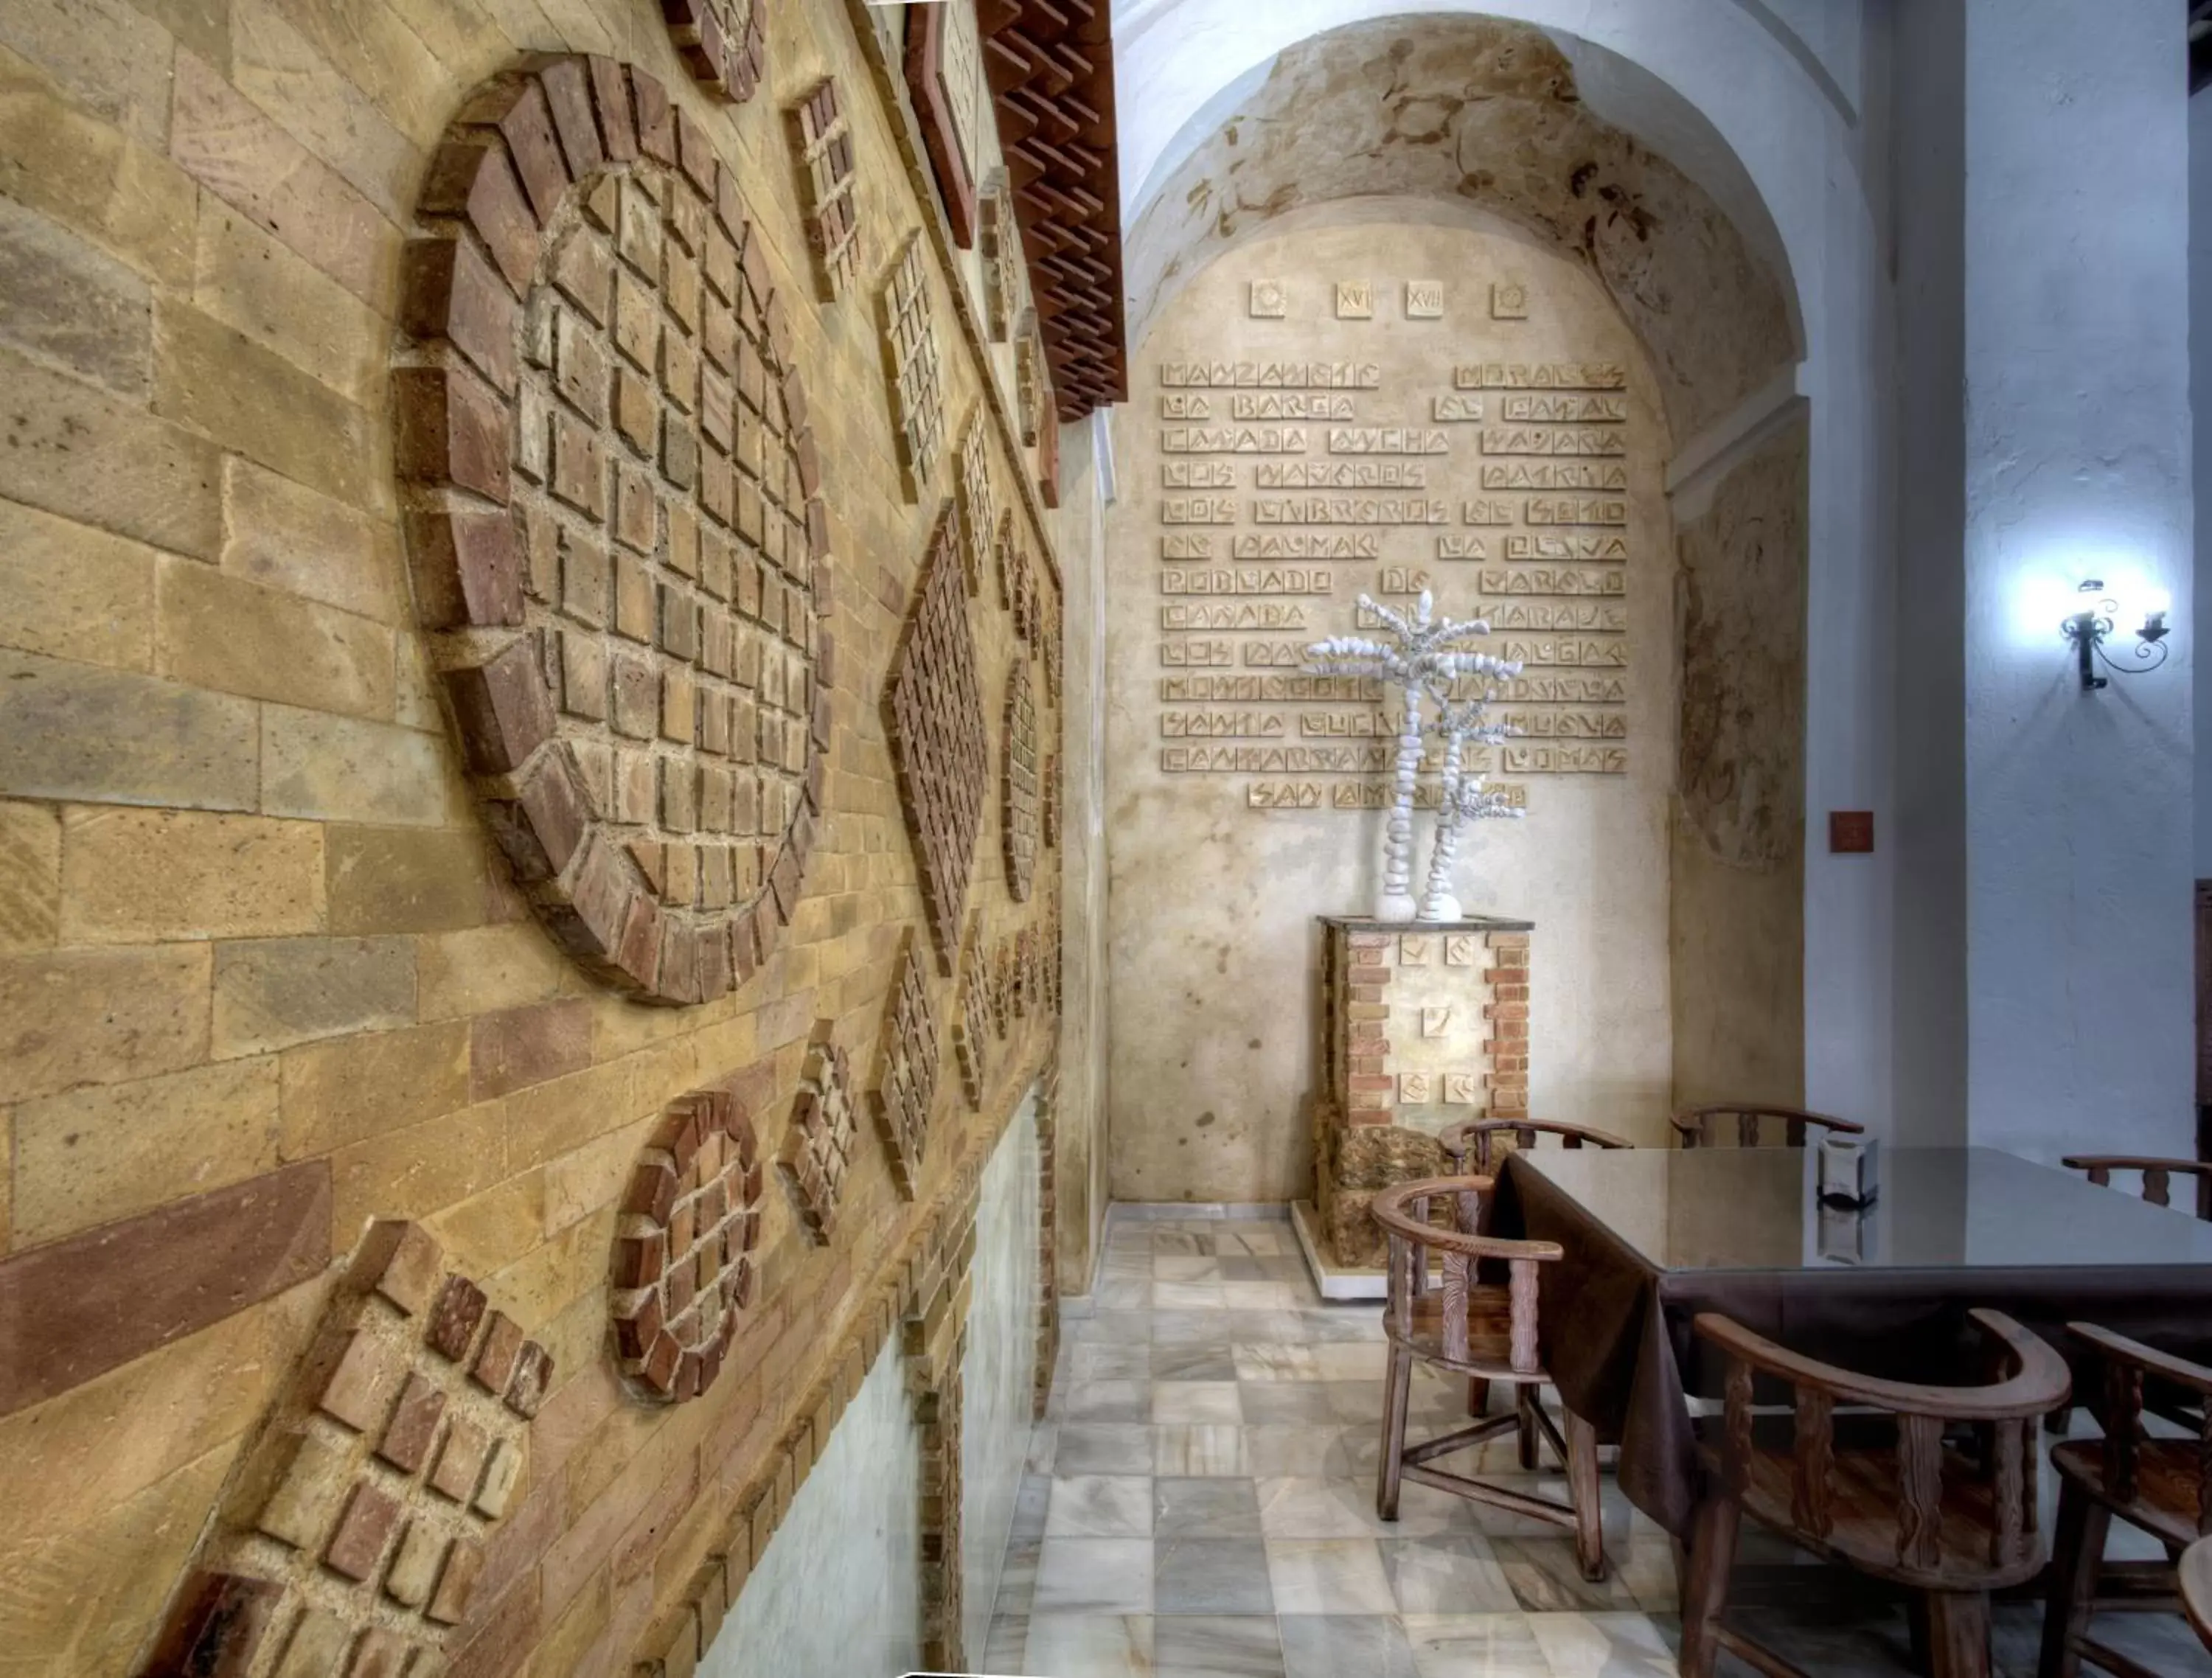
934,707
683,1266
611,500
1019,823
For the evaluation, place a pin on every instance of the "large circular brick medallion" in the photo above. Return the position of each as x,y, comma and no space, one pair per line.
614,520
683,1265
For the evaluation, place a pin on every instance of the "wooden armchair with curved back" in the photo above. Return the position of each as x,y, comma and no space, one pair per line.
1951,1525
1483,1330
1703,1127
2162,1484
2156,1176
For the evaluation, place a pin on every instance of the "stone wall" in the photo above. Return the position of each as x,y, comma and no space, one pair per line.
1218,869
271,964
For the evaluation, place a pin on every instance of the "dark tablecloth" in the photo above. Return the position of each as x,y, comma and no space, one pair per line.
1617,1339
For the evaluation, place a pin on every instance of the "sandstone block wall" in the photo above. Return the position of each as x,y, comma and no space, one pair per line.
263,976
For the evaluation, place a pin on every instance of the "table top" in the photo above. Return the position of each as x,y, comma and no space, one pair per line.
1755,1209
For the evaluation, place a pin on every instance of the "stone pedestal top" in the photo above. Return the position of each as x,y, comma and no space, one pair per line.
1474,923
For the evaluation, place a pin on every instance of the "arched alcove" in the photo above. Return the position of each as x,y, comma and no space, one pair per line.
1478,124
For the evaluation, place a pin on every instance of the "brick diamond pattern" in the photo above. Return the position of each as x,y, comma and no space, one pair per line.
972,1024
917,374
1018,822
1032,382
1005,267
934,704
358,1530
979,502
825,140
687,1234
818,1150
723,43
907,1063
616,526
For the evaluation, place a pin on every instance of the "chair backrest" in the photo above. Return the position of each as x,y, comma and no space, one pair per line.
1405,1213
2157,1175
2125,1364
1486,1138
1748,1125
2032,1383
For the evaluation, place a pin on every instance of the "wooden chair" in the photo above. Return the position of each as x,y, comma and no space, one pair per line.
2157,1484
1917,1513
1699,1126
2197,1588
1487,1331
1483,1139
2158,1175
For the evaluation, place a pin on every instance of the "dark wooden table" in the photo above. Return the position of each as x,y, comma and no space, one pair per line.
1653,1237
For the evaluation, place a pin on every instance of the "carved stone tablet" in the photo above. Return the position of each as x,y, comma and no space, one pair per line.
1509,301
934,707
723,43
906,1068
824,142
944,75
1425,300
611,500
917,378
1355,299
1270,300
818,1150
364,1511
1004,264
685,1238
1019,821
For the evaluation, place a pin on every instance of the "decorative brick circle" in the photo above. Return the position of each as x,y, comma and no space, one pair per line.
613,513
683,1265
724,43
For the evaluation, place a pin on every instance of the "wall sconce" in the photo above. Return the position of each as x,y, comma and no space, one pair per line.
2087,628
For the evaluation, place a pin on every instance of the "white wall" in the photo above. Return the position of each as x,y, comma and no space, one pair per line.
1788,112
2080,808
2200,380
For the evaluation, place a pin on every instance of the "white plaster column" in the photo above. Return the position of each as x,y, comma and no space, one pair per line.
2079,806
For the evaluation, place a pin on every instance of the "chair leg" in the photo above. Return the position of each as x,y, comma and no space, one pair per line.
1916,1627
1958,1634
2077,1549
1704,1593
1525,1400
1397,1389
1477,1396
1582,1493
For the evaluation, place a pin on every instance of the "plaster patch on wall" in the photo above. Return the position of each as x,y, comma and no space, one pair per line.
1484,111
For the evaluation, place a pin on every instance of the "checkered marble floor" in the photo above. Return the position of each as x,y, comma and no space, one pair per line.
1200,1504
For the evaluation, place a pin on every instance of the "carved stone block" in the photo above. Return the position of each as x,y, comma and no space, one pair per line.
1270,300
1425,300
1508,300
686,1238
817,1151
934,707
617,533
361,1514
1355,299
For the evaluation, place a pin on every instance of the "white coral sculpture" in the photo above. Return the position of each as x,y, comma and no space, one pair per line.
1426,654
1463,797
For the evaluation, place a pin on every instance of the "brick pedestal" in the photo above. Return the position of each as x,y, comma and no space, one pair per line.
1423,1025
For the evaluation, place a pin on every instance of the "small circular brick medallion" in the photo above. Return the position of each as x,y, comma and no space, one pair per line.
614,518
683,1265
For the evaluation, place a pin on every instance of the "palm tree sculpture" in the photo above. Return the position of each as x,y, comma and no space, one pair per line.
1427,652
1462,798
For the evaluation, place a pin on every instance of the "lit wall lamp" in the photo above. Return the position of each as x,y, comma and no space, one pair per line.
2087,628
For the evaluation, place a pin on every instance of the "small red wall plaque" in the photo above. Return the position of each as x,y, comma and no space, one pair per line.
1851,830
